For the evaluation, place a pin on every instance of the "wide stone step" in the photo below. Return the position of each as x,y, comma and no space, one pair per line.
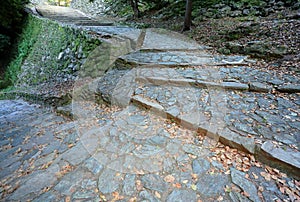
240,119
177,59
239,135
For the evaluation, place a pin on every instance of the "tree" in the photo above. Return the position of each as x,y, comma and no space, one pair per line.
188,16
135,7
11,18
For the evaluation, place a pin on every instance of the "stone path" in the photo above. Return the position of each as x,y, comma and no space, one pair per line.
174,111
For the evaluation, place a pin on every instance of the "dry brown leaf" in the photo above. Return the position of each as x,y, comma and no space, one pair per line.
254,175
276,170
246,194
281,181
103,198
169,179
261,188
194,176
177,185
132,199
281,188
157,194
139,185
68,199
274,177
117,196
269,169
283,175
257,164
252,158
185,181
267,176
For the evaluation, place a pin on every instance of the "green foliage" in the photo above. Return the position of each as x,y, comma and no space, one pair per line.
123,7
11,12
4,42
26,42
39,46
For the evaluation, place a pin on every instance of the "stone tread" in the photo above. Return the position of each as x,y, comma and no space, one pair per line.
152,168
132,153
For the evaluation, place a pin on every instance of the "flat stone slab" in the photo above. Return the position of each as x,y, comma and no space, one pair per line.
170,58
289,88
49,11
126,32
289,157
160,39
68,15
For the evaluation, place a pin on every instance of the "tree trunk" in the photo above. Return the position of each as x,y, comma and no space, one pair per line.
135,7
188,16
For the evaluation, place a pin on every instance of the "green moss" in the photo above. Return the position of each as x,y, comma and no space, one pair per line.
40,44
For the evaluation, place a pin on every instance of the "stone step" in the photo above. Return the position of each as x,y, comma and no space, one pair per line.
269,153
173,58
238,120
133,34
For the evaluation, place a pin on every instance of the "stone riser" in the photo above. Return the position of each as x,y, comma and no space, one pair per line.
252,86
288,161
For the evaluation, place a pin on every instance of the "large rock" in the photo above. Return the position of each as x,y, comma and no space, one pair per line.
154,182
285,159
182,196
239,179
109,181
206,182
289,88
235,140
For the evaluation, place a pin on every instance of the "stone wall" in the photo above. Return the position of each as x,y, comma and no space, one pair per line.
56,53
95,8
240,8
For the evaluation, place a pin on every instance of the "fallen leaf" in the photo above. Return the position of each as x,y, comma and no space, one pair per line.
254,175
68,199
169,178
116,196
132,199
194,187
103,197
246,194
274,177
267,176
220,198
194,176
177,185
157,194
281,188
139,185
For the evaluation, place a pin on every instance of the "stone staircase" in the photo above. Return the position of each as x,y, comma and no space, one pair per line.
174,123
171,74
